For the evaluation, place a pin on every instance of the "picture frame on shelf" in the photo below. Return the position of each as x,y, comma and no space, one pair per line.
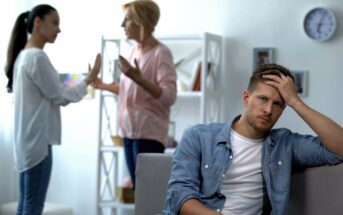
301,81
262,56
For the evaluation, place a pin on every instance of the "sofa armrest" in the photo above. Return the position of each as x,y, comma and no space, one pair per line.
152,175
317,191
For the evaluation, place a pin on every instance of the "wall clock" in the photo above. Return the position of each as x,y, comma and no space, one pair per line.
320,24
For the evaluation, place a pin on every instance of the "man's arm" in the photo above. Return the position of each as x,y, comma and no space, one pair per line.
194,207
330,133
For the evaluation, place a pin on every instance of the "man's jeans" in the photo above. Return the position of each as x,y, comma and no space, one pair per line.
34,184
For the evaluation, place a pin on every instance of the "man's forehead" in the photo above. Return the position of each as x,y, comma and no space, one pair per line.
267,90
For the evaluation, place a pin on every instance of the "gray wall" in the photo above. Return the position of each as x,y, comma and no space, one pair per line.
279,24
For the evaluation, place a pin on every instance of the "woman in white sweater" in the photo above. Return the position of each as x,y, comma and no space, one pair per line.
38,95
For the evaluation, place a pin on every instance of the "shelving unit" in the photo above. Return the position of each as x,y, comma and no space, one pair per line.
110,158
192,107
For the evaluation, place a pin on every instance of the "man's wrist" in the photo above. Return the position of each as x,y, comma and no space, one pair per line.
295,103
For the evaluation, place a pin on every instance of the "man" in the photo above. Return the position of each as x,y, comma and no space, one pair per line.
244,166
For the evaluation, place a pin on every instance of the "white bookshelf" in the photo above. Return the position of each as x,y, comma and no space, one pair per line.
191,107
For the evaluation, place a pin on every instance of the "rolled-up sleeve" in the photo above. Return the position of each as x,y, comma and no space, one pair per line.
310,151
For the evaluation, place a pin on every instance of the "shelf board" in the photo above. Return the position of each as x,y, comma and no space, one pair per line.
189,94
182,94
115,204
105,93
110,148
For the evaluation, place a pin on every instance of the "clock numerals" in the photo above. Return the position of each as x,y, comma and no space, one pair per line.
320,24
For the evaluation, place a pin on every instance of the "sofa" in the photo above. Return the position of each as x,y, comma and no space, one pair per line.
49,209
317,191
314,191
152,175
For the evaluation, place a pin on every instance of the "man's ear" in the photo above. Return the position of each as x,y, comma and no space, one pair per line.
245,97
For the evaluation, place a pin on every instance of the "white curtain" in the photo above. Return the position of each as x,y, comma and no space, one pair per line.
8,175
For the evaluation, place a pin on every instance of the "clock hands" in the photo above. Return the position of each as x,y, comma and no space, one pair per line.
320,23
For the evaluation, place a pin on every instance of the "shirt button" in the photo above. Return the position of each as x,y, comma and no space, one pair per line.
218,210
280,162
230,157
206,166
223,175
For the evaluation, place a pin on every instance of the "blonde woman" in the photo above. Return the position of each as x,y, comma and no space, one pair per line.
147,87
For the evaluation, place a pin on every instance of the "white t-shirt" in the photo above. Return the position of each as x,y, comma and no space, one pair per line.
243,183
38,93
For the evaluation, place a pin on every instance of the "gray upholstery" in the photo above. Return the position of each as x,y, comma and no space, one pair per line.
315,191
49,209
152,175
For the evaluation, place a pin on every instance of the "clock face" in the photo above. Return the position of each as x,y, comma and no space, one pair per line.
320,24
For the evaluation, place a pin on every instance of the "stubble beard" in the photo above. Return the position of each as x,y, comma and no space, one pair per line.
258,126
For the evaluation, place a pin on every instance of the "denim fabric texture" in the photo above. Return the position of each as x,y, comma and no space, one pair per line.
34,184
133,147
204,155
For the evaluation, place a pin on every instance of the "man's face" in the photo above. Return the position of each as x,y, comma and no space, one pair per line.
263,107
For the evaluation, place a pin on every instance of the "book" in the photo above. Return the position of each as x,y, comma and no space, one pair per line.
197,81
196,85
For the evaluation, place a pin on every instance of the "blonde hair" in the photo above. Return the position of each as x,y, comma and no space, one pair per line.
145,13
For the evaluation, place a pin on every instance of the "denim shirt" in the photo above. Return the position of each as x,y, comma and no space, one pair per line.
204,155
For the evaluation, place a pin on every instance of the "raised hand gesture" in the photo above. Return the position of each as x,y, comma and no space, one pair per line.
93,71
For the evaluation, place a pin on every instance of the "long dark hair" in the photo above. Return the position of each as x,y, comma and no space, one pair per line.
22,26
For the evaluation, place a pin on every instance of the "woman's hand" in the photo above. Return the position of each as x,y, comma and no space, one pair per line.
111,87
93,72
132,72
97,83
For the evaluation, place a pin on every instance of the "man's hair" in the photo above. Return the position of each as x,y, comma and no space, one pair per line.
267,69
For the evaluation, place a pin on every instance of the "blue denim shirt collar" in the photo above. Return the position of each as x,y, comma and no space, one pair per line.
224,135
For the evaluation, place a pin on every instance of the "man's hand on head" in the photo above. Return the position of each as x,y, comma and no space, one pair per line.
286,87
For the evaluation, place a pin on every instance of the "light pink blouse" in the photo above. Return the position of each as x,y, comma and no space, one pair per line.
141,116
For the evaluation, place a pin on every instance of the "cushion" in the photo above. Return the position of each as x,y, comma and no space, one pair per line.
49,209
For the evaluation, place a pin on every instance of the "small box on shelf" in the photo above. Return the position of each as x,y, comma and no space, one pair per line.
117,140
125,194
